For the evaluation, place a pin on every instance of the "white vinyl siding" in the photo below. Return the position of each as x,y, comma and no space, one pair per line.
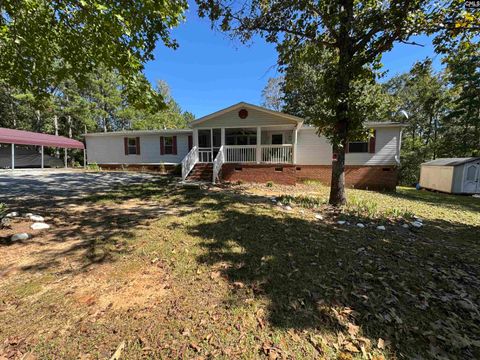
312,149
386,147
315,150
111,150
255,118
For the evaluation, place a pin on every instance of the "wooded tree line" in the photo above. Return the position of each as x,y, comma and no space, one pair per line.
443,107
101,104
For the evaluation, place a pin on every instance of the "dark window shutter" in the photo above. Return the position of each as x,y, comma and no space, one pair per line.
371,146
347,145
174,143
162,146
190,142
138,145
125,145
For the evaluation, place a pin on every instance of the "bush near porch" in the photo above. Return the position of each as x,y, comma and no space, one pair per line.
227,273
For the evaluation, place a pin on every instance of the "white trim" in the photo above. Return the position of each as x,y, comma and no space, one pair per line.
246,105
136,163
141,132
374,125
266,127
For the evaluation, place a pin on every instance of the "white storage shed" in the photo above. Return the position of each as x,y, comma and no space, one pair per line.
452,175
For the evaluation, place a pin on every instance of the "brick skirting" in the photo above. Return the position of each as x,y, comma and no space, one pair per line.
163,169
362,177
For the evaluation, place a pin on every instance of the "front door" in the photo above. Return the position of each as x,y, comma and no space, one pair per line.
471,179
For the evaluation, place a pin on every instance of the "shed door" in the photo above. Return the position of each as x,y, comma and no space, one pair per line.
471,183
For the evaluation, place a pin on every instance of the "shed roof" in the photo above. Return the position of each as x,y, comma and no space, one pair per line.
21,137
450,161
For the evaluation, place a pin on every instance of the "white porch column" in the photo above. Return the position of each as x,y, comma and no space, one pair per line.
13,156
259,145
195,137
42,159
223,136
65,156
295,135
211,145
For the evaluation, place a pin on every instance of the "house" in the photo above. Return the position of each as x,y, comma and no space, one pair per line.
250,143
451,175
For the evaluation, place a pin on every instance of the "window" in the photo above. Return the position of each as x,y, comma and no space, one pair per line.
168,145
277,139
471,170
132,146
358,147
240,137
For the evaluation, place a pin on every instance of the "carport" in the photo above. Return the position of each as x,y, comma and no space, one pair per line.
21,137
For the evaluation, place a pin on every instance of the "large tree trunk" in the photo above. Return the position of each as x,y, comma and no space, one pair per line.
337,188
342,89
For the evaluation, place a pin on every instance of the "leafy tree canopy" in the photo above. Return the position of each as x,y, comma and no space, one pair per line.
81,36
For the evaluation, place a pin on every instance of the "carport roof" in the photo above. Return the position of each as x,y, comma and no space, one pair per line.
21,137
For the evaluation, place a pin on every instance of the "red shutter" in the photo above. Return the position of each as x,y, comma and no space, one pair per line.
125,145
138,145
162,146
174,141
371,147
190,142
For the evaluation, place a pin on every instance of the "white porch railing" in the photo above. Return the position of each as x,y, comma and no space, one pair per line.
205,155
277,154
189,161
218,163
240,153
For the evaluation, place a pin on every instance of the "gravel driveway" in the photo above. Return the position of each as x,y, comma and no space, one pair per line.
35,184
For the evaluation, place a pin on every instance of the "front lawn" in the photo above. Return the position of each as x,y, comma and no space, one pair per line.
172,272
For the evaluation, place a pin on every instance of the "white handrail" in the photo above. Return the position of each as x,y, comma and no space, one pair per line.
189,161
217,164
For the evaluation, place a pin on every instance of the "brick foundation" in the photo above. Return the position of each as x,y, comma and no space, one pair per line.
281,174
362,177
163,169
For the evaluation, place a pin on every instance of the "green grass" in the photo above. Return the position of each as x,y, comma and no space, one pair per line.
247,279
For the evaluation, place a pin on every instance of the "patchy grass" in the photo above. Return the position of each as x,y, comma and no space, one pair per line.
229,274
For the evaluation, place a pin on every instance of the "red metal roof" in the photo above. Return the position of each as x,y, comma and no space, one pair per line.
21,137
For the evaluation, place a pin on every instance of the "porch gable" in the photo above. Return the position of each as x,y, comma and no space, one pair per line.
246,115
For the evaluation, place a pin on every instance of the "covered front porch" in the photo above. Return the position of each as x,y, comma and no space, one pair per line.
247,145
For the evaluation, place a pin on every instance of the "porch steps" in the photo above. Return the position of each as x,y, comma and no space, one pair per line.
201,172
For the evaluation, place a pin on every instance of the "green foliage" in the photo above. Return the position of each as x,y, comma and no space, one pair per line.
269,184
43,43
368,208
443,109
306,201
94,167
3,210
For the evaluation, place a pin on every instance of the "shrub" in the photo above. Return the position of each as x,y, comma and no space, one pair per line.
3,210
269,184
305,201
94,167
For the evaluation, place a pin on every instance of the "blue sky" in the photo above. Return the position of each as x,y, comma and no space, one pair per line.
210,71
